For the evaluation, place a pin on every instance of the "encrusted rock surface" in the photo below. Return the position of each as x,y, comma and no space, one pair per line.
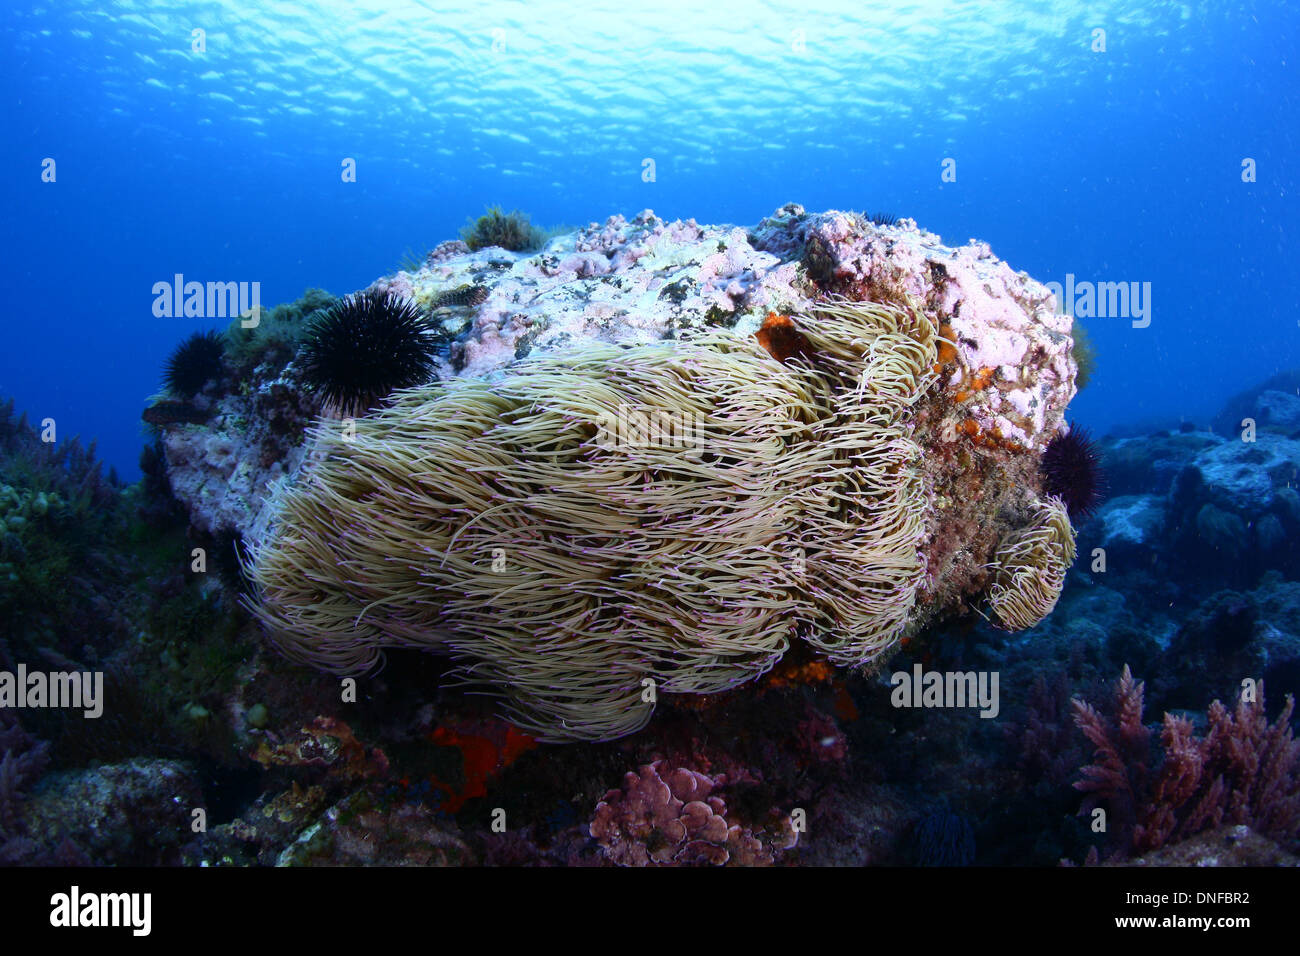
1131,524
133,813
223,470
1226,846
1247,477
1004,379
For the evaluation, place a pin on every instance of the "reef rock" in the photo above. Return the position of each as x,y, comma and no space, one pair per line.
1234,509
1227,846
1244,477
1148,464
1278,411
223,470
1274,405
136,813
1131,525
645,280
894,392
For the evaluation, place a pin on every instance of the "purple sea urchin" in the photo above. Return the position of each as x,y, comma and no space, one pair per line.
366,346
193,363
1071,469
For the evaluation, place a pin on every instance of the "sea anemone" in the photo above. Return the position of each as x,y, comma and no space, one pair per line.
1071,469
1031,567
676,512
193,363
366,346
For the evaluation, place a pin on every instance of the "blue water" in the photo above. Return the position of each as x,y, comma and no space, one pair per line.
224,165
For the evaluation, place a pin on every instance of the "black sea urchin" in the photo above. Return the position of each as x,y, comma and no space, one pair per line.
1071,469
883,218
193,363
364,347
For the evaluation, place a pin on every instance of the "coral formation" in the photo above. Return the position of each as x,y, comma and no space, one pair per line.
506,520
222,453
325,742
1007,371
195,362
1226,846
364,347
360,834
676,817
830,529
1219,511
134,813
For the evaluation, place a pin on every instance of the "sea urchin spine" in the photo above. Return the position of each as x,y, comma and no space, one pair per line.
365,347
1071,469
194,362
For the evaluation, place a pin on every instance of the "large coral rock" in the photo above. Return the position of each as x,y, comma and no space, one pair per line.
1273,404
1227,846
1246,477
646,279
138,812
1278,411
1235,510
223,470
1148,464
898,430
1131,526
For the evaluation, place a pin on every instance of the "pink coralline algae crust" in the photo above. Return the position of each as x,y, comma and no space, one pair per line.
449,249
677,818
645,279
1000,320
625,281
